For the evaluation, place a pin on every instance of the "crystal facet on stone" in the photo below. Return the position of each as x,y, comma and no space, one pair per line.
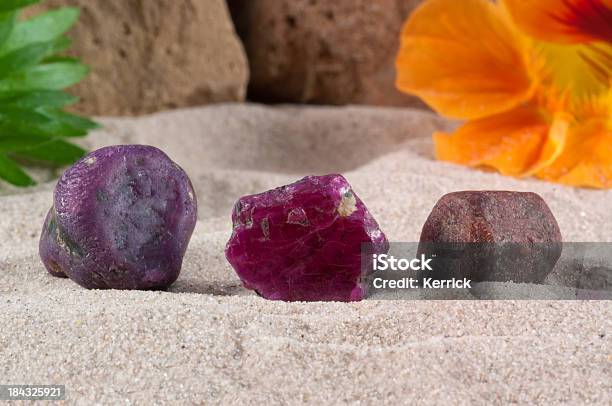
303,241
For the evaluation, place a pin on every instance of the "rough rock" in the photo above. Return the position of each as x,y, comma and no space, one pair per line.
147,56
326,52
303,241
121,218
491,236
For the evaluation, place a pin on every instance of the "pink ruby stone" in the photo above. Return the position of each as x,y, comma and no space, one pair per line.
303,241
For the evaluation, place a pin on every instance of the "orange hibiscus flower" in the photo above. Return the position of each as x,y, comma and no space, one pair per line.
531,106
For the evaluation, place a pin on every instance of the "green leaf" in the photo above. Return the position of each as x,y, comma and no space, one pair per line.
37,99
61,58
9,5
12,173
57,152
49,129
51,76
25,57
7,22
4,96
60,44
12,143
64,124
71,119
42,28
32,75
10,114
61,129
15,128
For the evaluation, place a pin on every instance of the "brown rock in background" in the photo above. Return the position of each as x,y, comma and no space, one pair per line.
320,51
150,55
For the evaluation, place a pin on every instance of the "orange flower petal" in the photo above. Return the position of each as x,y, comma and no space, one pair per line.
554,145
463,59
586,159
599,60
565,21
585,70
512,142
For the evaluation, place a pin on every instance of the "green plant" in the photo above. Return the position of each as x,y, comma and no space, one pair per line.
33,124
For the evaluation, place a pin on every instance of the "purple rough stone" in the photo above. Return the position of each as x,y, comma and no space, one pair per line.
302,242
122,218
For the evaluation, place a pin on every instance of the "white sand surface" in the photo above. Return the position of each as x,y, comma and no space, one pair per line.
208,340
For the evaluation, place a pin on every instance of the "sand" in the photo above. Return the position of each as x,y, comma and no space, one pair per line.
207,340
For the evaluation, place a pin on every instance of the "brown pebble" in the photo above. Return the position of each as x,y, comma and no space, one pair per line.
491,236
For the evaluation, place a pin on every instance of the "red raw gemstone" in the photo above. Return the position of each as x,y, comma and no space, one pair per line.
303,241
